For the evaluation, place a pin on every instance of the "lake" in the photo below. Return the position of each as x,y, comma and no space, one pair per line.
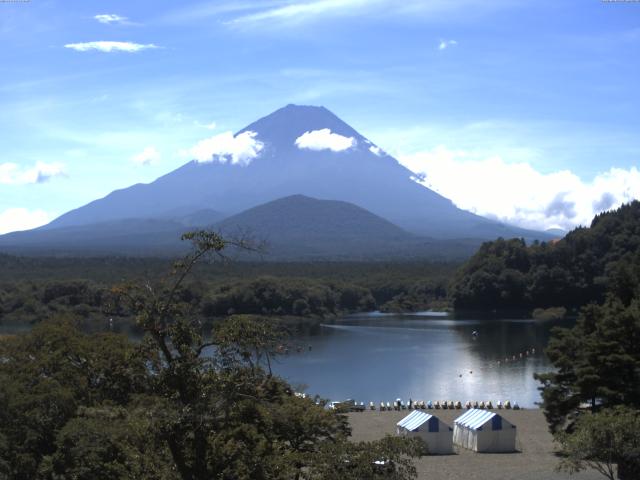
425,356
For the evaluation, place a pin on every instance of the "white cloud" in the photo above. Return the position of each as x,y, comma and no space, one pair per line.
13,174
519,194
446,44
109,18
225,147
324,140
148,156
108,46
376,150
14,219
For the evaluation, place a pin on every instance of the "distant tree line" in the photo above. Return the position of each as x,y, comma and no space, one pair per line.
312,292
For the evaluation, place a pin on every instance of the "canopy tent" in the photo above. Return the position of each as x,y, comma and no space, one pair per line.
484,431
436,434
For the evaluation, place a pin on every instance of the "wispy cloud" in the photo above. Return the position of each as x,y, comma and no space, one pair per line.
305,10
149,156
207,126
13,174
312,10
109,18
444,44
110,46
240,149
209,9
16,219
517,192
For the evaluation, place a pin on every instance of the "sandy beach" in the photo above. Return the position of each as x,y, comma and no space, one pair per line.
535,459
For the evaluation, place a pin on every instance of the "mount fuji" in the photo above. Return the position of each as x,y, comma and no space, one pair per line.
295,152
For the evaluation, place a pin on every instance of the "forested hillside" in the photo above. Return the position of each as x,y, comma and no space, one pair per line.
571,272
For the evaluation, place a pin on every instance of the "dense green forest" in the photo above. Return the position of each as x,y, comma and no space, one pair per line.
35,288
570,273
100,407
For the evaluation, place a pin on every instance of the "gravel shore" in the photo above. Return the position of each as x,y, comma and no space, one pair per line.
535,459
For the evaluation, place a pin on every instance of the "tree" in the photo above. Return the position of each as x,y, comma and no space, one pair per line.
108,443
50,373
222,415
604,441
597,362
388,459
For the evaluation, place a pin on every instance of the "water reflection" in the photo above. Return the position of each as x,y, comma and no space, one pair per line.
378,357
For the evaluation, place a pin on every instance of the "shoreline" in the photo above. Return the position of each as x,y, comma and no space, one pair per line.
534,460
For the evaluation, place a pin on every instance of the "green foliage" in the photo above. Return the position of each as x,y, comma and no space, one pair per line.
385,459
576,270
178,405
603,440
47,375
108,443
597,362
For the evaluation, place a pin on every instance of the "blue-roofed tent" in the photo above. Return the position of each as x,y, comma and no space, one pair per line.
436,434
484,431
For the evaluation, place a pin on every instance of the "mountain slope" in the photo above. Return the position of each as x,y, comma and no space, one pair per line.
361,175
303,228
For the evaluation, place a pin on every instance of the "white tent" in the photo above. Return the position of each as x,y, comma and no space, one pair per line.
484,431
436,434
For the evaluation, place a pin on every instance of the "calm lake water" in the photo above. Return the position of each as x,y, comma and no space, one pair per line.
425,356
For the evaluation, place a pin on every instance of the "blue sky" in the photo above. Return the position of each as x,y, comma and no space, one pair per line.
526,111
